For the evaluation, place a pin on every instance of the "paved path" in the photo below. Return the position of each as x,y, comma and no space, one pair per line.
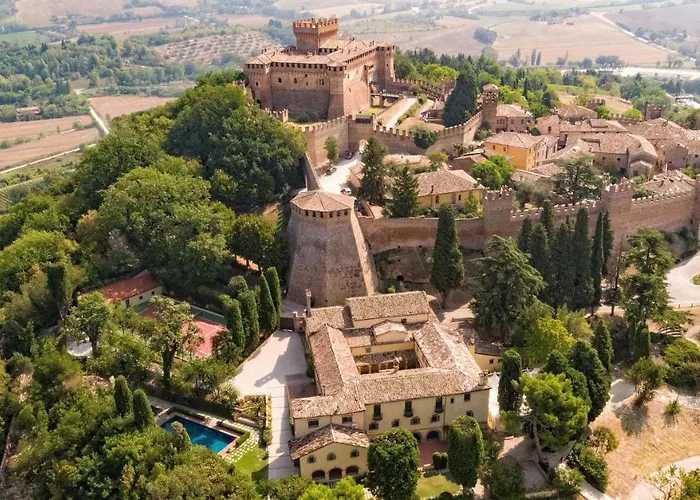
680,283
338,180
646,491
397,114
278,360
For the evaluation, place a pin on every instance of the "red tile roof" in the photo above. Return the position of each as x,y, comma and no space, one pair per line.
130,287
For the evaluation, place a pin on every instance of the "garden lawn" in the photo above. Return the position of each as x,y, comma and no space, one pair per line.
253,464
432,486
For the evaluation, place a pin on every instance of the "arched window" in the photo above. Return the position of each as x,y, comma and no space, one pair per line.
318,475
279,80
335,474
295,80
433,436
353,470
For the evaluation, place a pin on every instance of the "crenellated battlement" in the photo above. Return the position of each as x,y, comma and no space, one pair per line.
330,124
314,22
501,194
671,195
623,186
282,115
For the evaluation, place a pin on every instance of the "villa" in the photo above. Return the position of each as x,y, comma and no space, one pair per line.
132,291
380,362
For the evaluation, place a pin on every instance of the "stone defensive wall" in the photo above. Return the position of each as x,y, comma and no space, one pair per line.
666,212
402,86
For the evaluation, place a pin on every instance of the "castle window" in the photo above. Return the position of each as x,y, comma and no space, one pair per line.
395,423
437,199
311,459
295,80
330,215
340,213
373,426
459,197
468,396
491,361
313,214
306,213
346,212
313,423
354,453
279,80
256,84
321,214
452,401
415,421
347,419
331,457
470,413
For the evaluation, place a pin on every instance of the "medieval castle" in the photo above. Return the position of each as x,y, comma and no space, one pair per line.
323,75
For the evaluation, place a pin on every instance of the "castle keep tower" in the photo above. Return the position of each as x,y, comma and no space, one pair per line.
489,105
330,256
312,34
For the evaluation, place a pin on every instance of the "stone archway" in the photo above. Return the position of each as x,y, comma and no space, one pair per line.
318,475
417,436
433,436
335,474
353,470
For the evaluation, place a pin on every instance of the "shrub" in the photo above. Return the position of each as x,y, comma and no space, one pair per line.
439,461
683,359
673,408
423,137
567,481
506,480
593,467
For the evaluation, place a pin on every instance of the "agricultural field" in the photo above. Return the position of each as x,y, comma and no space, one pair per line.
32,129
680,17
241,46
341,11
614,104
34,150
41,12
9,195
117,105
589,36
24,38
124,30
248,20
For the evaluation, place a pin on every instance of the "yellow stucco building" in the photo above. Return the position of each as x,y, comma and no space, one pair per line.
524,150
446,186
380,362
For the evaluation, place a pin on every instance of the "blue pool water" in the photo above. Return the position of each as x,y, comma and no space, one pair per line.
199,434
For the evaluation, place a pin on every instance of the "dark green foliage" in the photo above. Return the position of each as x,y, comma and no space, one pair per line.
286,488
579,180
683,359
505,480
494,173
540,256
556,363
585,359
597,260
423,137
269,319
647,377
15,338
461,103
251,323
373,185
123,399
508,395
465,451
547,219
593,467
273,281
581,255
579,384
525,235
405,195
236,286
602,343
257,239
229,343
181,440
561,290
440,461
392,465
143,414
447,272
567,481
506,285
608,240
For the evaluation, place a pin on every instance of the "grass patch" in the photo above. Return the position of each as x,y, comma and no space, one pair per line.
696,279
254,464
24,38
372,111
429,487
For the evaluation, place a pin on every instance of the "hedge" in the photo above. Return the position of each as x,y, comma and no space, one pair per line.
593,468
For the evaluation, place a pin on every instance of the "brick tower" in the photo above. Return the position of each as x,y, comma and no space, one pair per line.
489,105
329,254
312,34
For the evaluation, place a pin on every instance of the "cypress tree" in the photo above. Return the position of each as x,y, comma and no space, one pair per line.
524,235
273,281
585,359
461,103
509,396
547,218
465,451
143,414
236,286
562,260
123,399
556,363
581,257
373,185
602,343
230,342
608,240
597,261
579,384
447,272
540,256
251,323
268,312
539,58
405,195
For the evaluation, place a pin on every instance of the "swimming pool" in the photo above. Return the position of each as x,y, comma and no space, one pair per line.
200,434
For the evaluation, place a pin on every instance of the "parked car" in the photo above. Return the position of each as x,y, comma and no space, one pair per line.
330,170
345,191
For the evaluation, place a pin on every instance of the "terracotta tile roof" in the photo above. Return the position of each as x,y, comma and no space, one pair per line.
320,438
515,139
573,111
672,181
333,53
335,316
512,111
445,182
592,127
444,348
388,327
359,337
322,201
490,86
333,360
636,145
130,287
390,305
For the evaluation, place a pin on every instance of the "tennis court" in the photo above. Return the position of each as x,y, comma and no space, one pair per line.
209,324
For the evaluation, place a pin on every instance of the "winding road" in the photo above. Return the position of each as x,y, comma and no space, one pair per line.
681,289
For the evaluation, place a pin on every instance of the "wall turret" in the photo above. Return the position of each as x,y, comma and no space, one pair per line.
489,105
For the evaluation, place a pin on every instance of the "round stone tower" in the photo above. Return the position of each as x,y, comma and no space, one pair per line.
328,253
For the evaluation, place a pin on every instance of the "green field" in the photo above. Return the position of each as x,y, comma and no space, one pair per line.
24,37
6,199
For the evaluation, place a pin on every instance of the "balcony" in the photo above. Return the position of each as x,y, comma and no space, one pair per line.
377,416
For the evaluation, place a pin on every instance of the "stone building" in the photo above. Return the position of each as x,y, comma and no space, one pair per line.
329,254
322,75
524,150
503,117
380,362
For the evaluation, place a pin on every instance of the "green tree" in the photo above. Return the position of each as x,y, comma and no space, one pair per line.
60,287
373,184
273,281
392,465
123,399
648,252
547,219
585,359
15,338
332,149
269,319
423,137
556,363
494,172
603,441
581,248
173,332
647,377
563,261
525,234
236,286
405,195
578,180
251,323
540,256
608,240
255,238
461,103
554,415
465,451
602,343
575,323
447,271
505,480
544,336
603,112
473,207
90,318
181,440
506,283
230,343
508,395
143,414
597,260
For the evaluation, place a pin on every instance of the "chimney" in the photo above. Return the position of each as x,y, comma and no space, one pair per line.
483,379
308,302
